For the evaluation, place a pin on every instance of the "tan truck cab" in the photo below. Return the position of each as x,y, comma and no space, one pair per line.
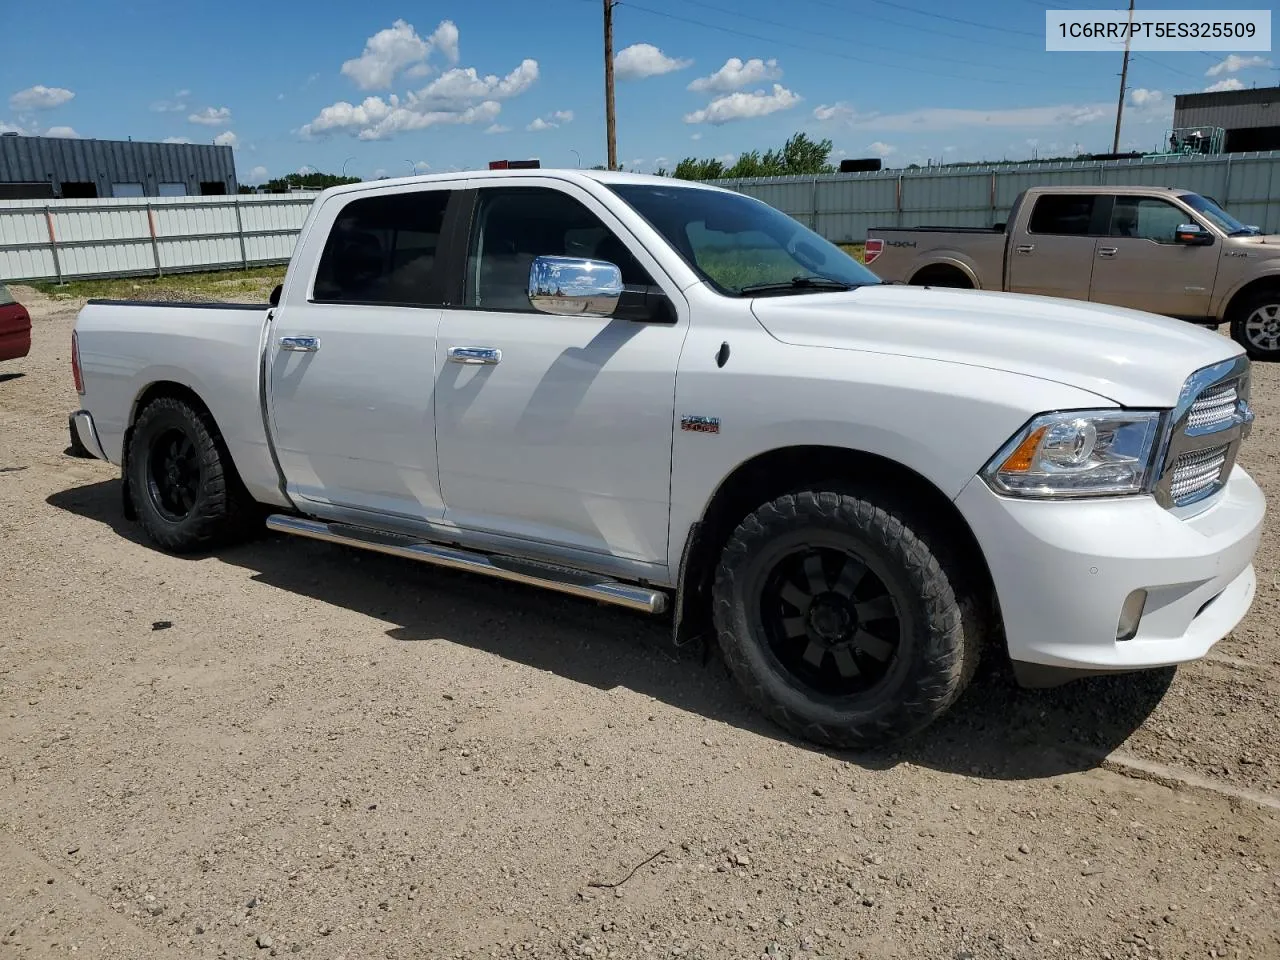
1158,249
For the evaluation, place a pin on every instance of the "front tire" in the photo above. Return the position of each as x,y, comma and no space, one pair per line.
182,484
839,622
1256,325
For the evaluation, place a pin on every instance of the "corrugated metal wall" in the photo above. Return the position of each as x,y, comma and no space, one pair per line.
65,239
842,207
57,161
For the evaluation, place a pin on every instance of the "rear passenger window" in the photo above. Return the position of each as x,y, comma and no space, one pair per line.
382,250
1064,214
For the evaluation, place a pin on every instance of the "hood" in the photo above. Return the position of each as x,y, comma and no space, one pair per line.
1133,358
1264,239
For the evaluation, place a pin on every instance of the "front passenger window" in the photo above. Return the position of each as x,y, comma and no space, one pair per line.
1146,218
514,225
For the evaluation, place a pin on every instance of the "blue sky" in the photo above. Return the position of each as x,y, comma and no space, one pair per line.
385,87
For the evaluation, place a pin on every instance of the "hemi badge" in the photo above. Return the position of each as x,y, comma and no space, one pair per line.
700,424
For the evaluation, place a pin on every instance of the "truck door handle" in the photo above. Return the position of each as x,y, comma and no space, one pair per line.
300,344
1108,252
489,355
1024,248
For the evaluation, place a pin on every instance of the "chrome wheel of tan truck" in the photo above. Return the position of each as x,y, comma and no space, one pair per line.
1157,249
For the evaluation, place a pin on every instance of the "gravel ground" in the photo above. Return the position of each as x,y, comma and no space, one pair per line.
294,749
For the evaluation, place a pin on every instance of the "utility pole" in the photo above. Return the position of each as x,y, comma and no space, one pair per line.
609,120
1124,78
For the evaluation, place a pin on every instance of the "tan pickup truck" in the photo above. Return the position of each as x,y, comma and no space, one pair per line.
1158,249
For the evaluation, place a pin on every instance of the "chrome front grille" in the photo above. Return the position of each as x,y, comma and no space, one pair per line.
1205,431
1215,406
1194,472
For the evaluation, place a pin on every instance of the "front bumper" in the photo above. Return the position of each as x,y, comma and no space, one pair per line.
84,435
1063,569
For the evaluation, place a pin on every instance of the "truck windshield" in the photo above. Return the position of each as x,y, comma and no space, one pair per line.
741,246
1217,216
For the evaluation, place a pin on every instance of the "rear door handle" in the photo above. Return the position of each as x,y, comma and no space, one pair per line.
1108,252
1024,248
300,344
473,355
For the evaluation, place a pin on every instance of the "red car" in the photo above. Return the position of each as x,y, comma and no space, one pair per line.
15,327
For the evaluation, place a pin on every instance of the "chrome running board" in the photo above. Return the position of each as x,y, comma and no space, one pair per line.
563,579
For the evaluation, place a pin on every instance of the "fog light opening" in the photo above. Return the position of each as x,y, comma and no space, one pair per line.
1131,615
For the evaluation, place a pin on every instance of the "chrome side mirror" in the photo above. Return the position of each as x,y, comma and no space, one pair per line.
1193,235
574,285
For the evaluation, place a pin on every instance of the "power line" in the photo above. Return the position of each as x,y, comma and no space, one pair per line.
915,27
942,16
836,36
811,49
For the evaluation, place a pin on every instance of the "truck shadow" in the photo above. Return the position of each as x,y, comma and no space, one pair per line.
996,731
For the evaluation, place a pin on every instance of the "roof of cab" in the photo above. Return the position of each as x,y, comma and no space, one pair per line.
569,174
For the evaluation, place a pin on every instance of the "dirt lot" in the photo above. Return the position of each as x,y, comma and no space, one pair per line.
336,755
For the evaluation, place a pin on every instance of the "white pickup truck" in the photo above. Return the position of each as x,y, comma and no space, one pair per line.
666,395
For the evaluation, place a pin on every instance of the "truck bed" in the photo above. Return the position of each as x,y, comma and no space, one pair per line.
213,349
914,254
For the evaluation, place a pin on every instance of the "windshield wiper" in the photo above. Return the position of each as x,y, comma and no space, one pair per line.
798,283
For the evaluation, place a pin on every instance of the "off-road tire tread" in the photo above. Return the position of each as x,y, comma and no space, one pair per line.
947,659
225,513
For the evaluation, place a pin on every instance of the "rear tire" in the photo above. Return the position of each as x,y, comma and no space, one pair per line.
948,277
839,621
1256,325
182,484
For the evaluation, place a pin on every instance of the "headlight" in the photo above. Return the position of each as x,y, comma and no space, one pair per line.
1078,453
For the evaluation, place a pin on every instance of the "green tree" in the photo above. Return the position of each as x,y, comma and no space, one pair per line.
799,156
315,180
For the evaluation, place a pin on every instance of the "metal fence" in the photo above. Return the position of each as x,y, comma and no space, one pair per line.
842,207
65,239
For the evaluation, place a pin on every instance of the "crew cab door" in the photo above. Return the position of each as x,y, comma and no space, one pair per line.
1140,265
350,362
555,429
1051,253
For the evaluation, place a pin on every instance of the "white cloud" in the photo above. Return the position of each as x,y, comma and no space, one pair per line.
398,48
939,118
421,166
65,133
304,170
176,105
459,96
1142,97
380,173
642,60
40,97
1235,63
375,119
882,149
279,96
227,139
1230,83
445,39
735,74
696,136
458,87
551,121
175,140
211,116
257,174
496,128
741,106
11,128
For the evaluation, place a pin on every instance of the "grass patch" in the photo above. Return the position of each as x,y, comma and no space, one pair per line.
252,284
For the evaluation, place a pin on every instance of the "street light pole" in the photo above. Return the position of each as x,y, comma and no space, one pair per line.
578,155
412,169
344,166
